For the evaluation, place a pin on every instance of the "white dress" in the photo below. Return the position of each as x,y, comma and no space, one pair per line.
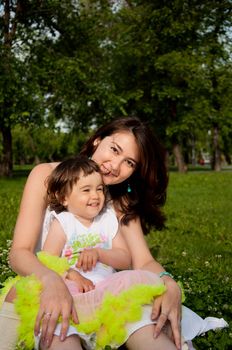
101,233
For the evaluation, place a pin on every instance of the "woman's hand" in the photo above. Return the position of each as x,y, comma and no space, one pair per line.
168,308
55,301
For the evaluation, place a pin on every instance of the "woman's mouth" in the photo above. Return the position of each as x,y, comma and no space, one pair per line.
105,171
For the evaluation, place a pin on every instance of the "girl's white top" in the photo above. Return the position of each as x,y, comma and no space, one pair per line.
78,237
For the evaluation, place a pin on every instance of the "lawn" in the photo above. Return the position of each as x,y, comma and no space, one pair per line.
195,245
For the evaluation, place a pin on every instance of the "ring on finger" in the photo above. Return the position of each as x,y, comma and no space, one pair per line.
47,314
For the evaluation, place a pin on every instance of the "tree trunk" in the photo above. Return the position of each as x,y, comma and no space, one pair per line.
216,159
6,165
182,168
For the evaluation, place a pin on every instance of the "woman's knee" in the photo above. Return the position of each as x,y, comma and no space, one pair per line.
143,339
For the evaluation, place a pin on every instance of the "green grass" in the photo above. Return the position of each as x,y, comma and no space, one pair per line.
195,246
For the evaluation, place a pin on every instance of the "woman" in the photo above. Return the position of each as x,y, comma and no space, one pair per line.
133,166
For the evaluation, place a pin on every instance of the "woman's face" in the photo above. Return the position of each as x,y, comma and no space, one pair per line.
117,155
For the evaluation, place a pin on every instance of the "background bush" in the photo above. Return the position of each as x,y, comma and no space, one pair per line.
195,246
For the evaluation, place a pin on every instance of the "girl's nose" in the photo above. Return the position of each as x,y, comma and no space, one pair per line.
95,194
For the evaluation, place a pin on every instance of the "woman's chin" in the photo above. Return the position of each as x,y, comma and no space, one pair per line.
110,180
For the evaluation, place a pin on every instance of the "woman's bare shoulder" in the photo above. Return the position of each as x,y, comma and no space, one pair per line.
43,169
39,174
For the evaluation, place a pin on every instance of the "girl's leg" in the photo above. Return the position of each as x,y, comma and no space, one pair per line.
70,343
143,339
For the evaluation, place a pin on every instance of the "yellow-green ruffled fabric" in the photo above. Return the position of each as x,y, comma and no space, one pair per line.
116,310
108,322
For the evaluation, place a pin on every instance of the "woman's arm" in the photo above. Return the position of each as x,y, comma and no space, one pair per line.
55,298
119,256
29,223
167,306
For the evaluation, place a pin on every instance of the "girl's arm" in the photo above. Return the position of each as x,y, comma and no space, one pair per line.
168,306
118,257
55,239
54,245
55,298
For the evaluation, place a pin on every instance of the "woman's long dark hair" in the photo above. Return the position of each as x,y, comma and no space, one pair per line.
149,181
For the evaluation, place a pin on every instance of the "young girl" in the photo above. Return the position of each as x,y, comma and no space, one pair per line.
81,227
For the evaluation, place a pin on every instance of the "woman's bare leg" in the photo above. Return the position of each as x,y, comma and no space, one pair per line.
143,339
70,343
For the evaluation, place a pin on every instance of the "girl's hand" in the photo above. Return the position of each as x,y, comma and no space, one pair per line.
88,259
83,284
168,308
55,301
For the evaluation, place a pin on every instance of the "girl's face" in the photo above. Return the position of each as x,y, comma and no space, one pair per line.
87,197
117,155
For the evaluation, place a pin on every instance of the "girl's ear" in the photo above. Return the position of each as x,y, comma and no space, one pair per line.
62,200
65,202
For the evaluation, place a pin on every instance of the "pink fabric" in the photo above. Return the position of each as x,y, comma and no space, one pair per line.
87,303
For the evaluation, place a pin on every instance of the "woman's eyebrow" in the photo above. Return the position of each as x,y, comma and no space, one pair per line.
116,144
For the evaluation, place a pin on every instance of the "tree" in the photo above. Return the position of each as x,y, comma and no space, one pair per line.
20,94
160,65
49,65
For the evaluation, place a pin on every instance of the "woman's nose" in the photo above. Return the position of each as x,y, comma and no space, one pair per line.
115,166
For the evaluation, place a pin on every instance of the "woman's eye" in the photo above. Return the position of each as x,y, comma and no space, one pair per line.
130,164
86,190
114,149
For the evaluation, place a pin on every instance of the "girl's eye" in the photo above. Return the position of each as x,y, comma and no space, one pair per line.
86,190
100,189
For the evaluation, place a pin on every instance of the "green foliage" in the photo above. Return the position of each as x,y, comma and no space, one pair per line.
41,144
10,193
83,62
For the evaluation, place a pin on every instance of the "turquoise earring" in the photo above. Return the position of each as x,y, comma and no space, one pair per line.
129,188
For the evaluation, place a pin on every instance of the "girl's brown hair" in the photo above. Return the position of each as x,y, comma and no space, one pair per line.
149,181
64,176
